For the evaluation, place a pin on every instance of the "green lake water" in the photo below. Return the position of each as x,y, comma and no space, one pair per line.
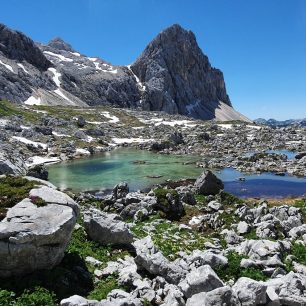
137,167
142,169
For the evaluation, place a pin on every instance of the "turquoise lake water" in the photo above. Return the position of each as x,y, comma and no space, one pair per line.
142,169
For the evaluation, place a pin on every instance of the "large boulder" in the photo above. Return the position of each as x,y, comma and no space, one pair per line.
153,261
36,232
38,171
222,296
288,290
120,190
107,228
200,258
250,292
11,161
208,183
264,252
202,279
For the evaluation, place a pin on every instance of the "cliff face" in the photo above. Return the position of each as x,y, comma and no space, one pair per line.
16,46
178,77
172,75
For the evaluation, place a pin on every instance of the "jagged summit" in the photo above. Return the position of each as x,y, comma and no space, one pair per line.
59,44
178,76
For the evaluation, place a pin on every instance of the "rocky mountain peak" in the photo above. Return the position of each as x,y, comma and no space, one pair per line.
174,35
172,75
178,76
17,46
59,44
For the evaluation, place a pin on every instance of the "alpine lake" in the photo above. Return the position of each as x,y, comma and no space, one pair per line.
142,169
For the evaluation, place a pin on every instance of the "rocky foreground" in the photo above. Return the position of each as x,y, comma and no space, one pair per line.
176,245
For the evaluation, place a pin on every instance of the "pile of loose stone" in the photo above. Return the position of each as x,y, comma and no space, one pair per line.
191,279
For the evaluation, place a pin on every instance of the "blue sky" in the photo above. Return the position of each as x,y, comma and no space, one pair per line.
260,45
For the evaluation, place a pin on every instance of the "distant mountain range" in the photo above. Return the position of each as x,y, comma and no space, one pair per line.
171,75
278,123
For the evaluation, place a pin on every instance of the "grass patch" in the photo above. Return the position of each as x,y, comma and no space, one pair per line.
8,109
251,235
229,199
13,189
84,247
234,271
301,204
36,297
228,219
169,239
299,252
201,199
103,288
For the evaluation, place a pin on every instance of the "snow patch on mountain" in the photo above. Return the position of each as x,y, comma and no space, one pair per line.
59,56
56,76
33,101
7,66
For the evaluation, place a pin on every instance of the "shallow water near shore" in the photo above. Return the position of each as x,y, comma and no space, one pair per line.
142,169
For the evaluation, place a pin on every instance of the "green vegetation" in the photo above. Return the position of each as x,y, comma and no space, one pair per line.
251,235
229,199
81,245
104,287
201,199
234,271
13,189
228,218
8,109
168,238
38,201
166,208
161,194
36,297
298,250
301,204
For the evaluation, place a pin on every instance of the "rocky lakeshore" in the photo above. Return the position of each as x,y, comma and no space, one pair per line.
34,135
189,245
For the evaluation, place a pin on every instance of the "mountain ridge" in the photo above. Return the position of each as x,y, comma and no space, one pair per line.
172,74
281,123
